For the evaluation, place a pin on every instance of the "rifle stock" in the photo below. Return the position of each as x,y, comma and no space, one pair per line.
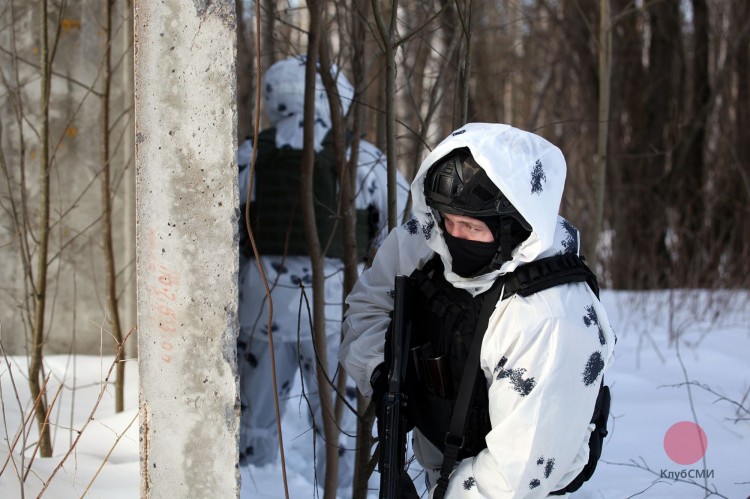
393,438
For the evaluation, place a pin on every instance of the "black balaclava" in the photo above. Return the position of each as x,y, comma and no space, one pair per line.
456,184
473,258
469,257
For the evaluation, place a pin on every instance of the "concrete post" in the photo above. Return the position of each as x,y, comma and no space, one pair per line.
187,263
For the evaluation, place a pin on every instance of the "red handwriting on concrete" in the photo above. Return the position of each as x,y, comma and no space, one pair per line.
163,289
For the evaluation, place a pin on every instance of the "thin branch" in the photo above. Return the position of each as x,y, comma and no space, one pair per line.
89,88
720,398
91,415
106,458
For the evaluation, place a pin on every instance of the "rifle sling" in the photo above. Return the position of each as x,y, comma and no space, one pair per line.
455,436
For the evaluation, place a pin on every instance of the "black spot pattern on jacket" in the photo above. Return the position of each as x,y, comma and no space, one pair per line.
412,226
537,175
593,367
252,360
249,451
305,279
427,228
391,293
549,467
286,387
515,376
279,268
274,328
570,239
469,483
591,319
351,393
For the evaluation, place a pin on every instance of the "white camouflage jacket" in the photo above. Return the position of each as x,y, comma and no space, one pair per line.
558,341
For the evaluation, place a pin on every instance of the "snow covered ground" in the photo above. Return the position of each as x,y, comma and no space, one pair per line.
680,357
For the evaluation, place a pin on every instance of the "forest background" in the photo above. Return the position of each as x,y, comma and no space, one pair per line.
648,99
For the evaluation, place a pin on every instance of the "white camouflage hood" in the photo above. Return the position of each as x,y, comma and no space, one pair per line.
528,170
284,95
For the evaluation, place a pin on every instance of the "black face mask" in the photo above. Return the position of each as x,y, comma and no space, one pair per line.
469,257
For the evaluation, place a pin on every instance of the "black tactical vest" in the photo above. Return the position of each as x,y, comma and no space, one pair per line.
275,215
445,319
444,323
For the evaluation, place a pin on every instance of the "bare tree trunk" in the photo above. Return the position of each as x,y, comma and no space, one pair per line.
465,80
244,76
330,431
450,33
40,286
741,241
365,419
509,87
605,73
348,219
689,166
388,39
267,40
665,60
110,281
256,130
628,77
730,220
417,56
650,96
381,137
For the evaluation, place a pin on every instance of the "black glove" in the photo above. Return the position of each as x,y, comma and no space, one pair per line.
379,384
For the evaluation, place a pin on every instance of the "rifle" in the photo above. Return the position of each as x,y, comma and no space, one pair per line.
393,424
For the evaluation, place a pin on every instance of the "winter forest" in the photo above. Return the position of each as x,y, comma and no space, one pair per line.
649,100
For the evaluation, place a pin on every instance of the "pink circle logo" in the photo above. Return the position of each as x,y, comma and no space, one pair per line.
685,442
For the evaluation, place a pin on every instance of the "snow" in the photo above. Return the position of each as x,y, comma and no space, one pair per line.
681,356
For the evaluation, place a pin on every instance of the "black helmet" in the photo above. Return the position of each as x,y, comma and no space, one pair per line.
457,184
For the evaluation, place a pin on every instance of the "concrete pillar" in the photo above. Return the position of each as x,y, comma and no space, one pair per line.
187,263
